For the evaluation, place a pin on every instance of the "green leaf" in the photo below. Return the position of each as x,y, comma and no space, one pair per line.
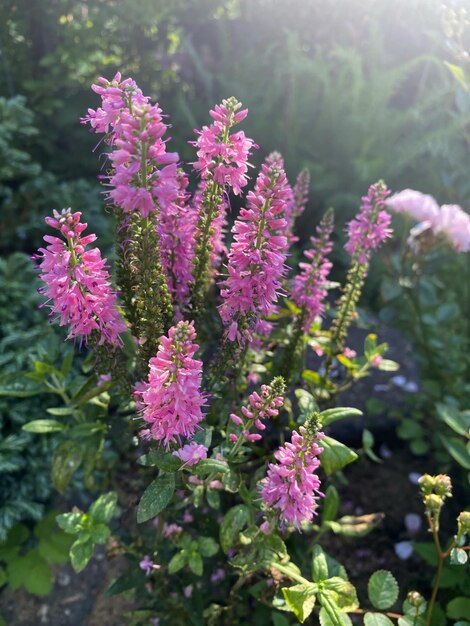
312,377
210,466
81,553
382,589
66,460
133,577
377,619
278,619
458,608
335,455
370,344
330,504
458,556
156,497
235,520
54,544
89,390
32,572
342,592
459,74
177,562
455,419
195,563
301,599
386,365
306,402
333,415
163,460
100,533
207,546
70,522
43,426
457,450
61,410
104,508
213,498
330,615
409,429
319,564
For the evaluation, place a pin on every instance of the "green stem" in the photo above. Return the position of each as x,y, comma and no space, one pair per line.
441,557
289,573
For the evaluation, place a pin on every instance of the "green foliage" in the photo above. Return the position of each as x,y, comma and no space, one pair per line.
156,497
91,528
382,589
28,558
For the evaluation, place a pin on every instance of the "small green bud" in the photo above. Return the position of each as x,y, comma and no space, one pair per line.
463,522
426,483
433,503
415,599
443,486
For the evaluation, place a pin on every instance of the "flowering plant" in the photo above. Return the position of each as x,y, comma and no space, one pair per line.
203,381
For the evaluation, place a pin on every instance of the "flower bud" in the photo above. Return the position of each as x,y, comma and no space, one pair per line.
443,486
433,503
415,599
463,522
426,482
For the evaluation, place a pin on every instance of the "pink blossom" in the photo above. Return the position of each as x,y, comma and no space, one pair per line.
376,360
78,283
191,453
256,261
454,223
421,207
310,285
172,399
171,530
147,565
144,173
260,406
291,486
217,575
370,228
221,156
177,229
301,189
349,353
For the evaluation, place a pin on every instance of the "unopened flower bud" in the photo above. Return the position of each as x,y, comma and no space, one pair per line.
426,482
415,599
433,503
463,522
443,486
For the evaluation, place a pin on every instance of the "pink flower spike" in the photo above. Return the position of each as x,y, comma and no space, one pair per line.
172,399
370,228
77,282
291,486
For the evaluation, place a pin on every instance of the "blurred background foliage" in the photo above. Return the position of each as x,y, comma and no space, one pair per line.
355,90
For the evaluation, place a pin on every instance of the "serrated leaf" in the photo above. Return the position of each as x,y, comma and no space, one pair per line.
324,566
156,497
335,455
43,426
235,520
377,619
382,589
330,615
333,415
81,553
301,599
104,508
342,592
